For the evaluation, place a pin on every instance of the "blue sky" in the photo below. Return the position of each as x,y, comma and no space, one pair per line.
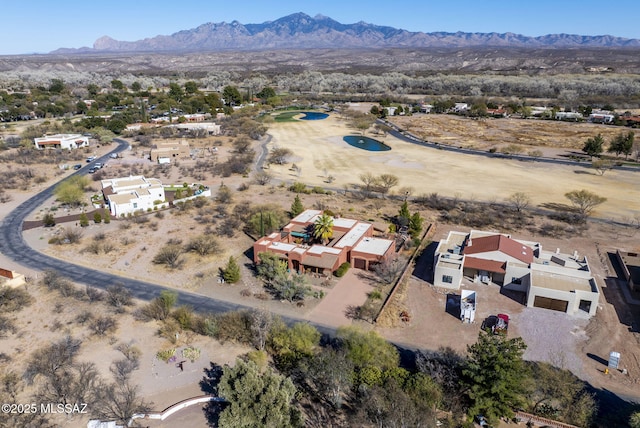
45,25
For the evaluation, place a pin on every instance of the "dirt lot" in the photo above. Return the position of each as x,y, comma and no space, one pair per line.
552,337
484,134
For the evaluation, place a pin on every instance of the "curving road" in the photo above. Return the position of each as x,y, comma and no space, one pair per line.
406,136
13,245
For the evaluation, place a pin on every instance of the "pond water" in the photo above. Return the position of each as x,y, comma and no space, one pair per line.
313,115
366,143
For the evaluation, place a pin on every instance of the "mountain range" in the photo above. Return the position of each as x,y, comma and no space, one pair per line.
301,31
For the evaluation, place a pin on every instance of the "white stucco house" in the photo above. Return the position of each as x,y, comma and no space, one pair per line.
550,280
128,195
61,141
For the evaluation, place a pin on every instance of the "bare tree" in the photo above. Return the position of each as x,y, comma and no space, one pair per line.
370,182
261,322
602,166
279,156
388,270
103,325
386,182
584,201
119,401
262,177
519,200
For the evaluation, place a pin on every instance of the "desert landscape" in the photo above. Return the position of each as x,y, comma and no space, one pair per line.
319,151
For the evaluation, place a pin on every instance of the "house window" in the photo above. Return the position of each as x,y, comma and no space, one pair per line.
515,280
135,205
447,279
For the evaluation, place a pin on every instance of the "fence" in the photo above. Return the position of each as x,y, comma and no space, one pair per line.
389,299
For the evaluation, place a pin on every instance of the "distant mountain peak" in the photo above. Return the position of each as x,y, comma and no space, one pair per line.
301,31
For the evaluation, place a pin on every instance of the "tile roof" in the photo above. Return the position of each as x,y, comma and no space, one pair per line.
483,264
500,243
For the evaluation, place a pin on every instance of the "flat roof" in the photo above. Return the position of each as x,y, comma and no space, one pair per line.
450,264
320,249
282,246
122,198
554,281
454,239
346,223
306,216
377,246
352,236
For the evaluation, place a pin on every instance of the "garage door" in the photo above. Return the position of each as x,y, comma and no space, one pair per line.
553,304
359,263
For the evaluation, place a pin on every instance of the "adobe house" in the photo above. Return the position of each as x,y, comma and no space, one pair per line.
165,152
61,141
352,242
550,280
126,195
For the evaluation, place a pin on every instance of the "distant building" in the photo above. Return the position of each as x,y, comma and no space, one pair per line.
61,141
352,242
551,280
601,117
568,115
460,107
130,194
165,152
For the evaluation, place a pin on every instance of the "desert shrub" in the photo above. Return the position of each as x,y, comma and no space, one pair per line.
94,247
234,327
84,317
342,269
204,245
224,195
160,307
298,187
97,218
94,295
103,325
13,299
184,316
7,325
70,236
170,330
54,281
84,220
318,190
170,255
49,220
119,297
375,295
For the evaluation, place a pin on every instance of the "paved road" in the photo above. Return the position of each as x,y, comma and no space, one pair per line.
13,246
410,138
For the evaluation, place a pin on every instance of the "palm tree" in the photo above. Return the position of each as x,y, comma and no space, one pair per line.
323,228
